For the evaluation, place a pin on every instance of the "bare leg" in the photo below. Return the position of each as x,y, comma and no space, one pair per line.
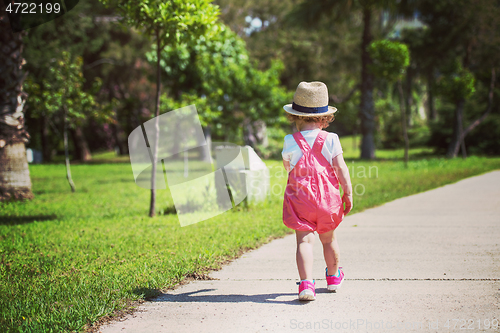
305,242
331,251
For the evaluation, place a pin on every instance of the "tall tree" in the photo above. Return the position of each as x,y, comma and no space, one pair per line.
461,41
125,79
235,92
15,181
390,61
169,22
43,43
63,97
309,12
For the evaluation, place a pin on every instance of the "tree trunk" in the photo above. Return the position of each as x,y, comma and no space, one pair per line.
152,205
354,139
457,130
367,109
44,134
66,151
15,182
120,137
260,132
82,151
458,133
248,135
204,152
462,145
459,119
176,145
404,112
479,120
409,96
254,133
430,96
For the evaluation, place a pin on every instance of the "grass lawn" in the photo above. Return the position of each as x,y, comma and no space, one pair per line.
68,259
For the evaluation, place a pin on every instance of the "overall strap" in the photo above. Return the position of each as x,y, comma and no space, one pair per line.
320,140
318,146
301,142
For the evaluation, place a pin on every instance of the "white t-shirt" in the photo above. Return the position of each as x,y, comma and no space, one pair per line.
291,150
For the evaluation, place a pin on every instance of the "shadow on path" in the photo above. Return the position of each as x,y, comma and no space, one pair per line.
192,296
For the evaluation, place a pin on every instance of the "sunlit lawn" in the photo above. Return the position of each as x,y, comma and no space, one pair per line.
350,146
68,259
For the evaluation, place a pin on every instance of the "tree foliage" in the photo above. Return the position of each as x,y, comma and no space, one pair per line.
389,59
177,20
170,22
216,73
458,47
63,89
236,71
328,52
78,33
457,84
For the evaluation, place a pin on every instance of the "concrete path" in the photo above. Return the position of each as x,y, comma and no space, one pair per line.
429,262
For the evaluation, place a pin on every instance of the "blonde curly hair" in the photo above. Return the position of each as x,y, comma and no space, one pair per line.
324,121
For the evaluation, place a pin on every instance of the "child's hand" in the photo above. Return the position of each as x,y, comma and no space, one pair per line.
286,164
342,173
347,199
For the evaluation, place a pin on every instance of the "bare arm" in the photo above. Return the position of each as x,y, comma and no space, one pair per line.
342,172
286,164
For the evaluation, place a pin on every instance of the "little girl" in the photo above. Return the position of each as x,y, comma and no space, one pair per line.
312,202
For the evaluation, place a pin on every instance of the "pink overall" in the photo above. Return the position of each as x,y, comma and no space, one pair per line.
312,198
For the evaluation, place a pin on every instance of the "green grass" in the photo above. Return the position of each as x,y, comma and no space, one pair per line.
68,259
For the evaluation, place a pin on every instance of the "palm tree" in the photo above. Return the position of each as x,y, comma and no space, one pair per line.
15,182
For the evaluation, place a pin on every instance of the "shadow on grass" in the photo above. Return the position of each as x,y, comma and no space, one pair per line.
189,297
147,293
104,161
14,220
61,162
114,181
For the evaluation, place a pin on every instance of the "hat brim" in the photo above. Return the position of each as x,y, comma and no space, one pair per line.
288,108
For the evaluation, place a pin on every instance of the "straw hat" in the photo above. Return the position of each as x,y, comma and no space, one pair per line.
310,100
